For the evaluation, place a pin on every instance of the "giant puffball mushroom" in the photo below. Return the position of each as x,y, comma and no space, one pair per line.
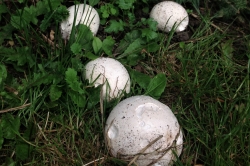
169,14
109,73
143,127
82,14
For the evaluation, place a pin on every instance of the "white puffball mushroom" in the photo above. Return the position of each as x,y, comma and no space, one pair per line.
109,73
83,14
135,123
167,14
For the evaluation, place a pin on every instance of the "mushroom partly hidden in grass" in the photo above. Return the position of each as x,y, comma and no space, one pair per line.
170,15
145,131
110,74
80,14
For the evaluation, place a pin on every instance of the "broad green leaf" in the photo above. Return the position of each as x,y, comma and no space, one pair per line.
108,45
3,75
134,47
115,26
97,44
22,55
76,48
227,50
84,36
3,9
128,39
157,86
79,99
108,9
55,92
6,33
10,126
126,4
90,55
104,10
40,8
152,47
93,96
93,2
133,59
52,4
24,17
72,80
77,63
22,150
149,34
142,79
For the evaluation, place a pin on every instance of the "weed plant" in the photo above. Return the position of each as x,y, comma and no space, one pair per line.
50,115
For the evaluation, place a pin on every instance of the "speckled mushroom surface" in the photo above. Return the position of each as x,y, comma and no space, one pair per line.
83,14
137,121
169,13
109,73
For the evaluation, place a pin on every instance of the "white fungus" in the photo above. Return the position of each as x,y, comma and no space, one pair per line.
135,123
169,14
109,73
82,14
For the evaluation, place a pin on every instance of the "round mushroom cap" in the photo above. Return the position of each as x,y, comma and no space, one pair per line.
138,121
109,73
169,14
83,14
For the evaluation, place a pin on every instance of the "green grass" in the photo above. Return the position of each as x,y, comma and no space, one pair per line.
208,89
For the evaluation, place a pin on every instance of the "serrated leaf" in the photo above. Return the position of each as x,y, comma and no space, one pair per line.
22,55
24,17
10,126
97,44
104,11
52,5
76,48
115,26
72,80
6,33
79,99
128,39
126,4
55,92
134,47
149,34
84,36
108,45
157,86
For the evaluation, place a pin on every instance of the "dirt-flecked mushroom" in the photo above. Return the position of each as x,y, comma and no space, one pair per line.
83,14
109,73
169,14
138,121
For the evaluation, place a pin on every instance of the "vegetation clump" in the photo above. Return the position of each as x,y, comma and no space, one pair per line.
51,115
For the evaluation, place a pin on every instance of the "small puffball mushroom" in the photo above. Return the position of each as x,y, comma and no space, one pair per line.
83,14
169,14
109,73
141,122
